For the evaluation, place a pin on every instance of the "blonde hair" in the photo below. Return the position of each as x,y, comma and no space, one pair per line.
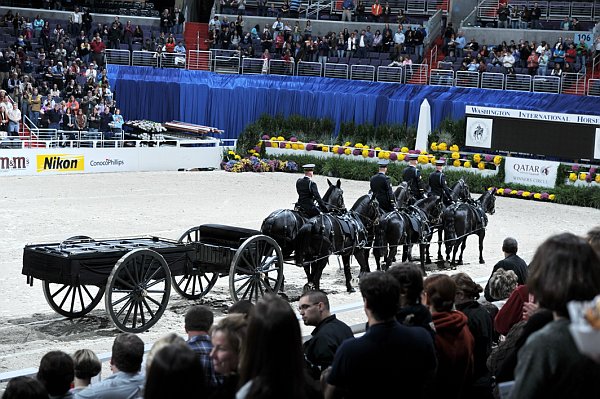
86,364
234,327
167,340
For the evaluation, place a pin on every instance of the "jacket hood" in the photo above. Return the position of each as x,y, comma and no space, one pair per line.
449,322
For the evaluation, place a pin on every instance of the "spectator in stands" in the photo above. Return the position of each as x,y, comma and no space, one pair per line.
512,262
503,14
525,17
351,45
582,52
453,341
272,11
24,388
570,54
14,119
162,342
565,24
272,330
173,373
481,327
360,11
374,356
387,12
362,45
126,362
347,7
575,25
86,21
87,366
328,334
559,54
198,320
80,121
117,121
564,268
227,337
519,306
68,124
536,14
56,373
451,46
376,11
3,120
97,48
543,62
38,24
262,7
399,40
533,63
508,61
165,21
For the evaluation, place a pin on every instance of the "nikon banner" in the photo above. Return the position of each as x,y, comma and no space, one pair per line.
530,172
564,136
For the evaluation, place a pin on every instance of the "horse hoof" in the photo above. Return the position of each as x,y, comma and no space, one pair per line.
460,262
481,261
350,289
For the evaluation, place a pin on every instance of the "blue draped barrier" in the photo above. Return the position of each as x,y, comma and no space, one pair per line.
230,102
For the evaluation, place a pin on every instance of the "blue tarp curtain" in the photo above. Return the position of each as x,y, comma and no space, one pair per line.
230,102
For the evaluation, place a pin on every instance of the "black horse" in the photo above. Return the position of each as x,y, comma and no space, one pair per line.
463,219
403,195
283,224
344,235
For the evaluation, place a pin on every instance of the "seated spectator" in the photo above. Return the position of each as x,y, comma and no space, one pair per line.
502,283
174,373
481,327
512,262
241,307
3,120
198,320
138,35
519,306
56,373
162,342
87,366
557,70
24,388
126,362
454,342
180,48
227,337
374,356
272,330
328,334
564,268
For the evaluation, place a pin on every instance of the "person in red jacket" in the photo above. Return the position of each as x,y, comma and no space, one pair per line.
376,11
454,343
97,48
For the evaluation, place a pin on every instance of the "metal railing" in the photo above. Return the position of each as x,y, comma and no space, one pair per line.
434,28
467,79
229,64
117,57
281,67
487,10
315,7
417,74
145,58
199,60
253,66
546,84
441,77
593,87
518,82
492,81
305,68
173,60
572,83
362,72
390,74
338,71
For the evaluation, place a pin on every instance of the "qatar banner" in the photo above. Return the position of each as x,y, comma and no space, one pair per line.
530,172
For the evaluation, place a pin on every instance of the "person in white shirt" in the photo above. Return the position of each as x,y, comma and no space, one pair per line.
14,118
508,60
399,40
76,19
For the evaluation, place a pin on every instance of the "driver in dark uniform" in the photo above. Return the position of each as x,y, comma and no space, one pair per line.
381,187
308,193
438,185
412,176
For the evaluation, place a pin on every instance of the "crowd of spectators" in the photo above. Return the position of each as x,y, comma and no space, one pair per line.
432,337
515,57
515,17
282,40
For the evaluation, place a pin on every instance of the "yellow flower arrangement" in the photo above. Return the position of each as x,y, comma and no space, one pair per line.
573,176
456,163
442,146
347,144
582,176
467,164
455,155
513,192
423,159
537,196
477,158
358,145
377,148
280,138
404,149
434,146
497,160
347,151
325,148
365,153
294,146
238,157
432,159
481,166
401,157
300,146
552,197
597,178
273,138
335,149
454,148
424,153
231,152
526,194
288,146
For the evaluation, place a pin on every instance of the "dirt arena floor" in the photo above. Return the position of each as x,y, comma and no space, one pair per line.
165,204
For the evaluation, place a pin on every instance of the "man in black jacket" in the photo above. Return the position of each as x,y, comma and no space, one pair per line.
438,185
381,187
512,262
327,336
412,176
308,193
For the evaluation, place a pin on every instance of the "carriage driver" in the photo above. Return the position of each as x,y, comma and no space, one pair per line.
412,176
381,187
308,193
438,185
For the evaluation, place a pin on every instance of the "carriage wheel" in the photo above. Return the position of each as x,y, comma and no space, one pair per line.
72,300
197,283
137,290
256,269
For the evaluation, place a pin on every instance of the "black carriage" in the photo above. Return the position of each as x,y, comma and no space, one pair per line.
135,275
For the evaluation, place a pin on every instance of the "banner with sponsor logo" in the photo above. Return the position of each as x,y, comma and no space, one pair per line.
479,132
44,161
531,172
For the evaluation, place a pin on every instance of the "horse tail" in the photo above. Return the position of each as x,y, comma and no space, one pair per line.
449,225
303,242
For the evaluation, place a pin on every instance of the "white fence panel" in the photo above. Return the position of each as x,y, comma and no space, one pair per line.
198,60
145,58
227,64
172,60
117,57
362,72
281,67
441,77
390,74
309,69
593,87
417,74
338,71
254,66
572,83
467,79
546,84
518,82
492,81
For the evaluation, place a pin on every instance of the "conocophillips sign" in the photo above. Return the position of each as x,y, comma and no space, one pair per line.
531,172
60,163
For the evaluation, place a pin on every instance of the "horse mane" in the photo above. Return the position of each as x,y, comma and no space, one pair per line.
360,202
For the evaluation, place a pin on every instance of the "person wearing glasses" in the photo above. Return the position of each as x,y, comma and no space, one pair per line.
328,335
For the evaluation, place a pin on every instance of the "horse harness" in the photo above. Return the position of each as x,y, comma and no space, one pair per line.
351,229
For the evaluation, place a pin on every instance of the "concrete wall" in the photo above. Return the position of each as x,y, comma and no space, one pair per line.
495,36
319,28
98,18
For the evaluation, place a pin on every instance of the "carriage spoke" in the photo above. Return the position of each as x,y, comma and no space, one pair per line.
79,291
244,270
87,292
148,308
134,320
260,287
133,280
120,312
152,276
65,297
246,285
154,300
187,284
118,301
125,283
60,290
132,304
